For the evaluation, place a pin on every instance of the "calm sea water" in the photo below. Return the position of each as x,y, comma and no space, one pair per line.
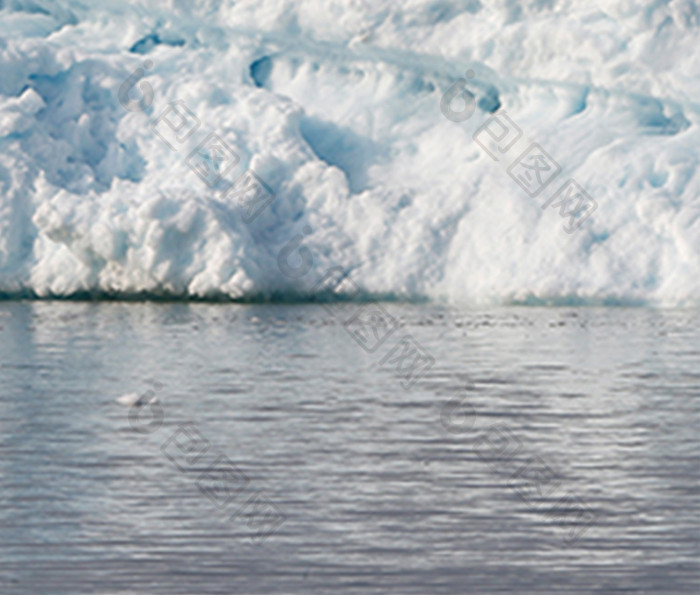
528,450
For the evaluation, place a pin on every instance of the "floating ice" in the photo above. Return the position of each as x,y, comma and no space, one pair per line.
136,400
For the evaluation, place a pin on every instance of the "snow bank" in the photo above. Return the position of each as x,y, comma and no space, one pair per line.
240,149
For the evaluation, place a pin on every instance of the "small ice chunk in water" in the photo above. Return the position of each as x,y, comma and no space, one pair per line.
136,400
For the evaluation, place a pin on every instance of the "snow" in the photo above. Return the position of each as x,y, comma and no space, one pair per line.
331,111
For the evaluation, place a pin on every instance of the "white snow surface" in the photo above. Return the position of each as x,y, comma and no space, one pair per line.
336,105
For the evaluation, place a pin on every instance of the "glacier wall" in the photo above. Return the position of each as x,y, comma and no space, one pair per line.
211,148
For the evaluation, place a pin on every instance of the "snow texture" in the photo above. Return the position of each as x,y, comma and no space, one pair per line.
331,147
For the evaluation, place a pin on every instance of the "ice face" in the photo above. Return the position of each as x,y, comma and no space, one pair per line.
468,151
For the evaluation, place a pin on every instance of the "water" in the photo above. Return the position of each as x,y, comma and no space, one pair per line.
381,489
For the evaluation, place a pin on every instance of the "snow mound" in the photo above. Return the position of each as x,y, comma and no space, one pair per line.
221,149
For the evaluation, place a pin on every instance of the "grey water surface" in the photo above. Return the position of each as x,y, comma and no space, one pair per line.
536,450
